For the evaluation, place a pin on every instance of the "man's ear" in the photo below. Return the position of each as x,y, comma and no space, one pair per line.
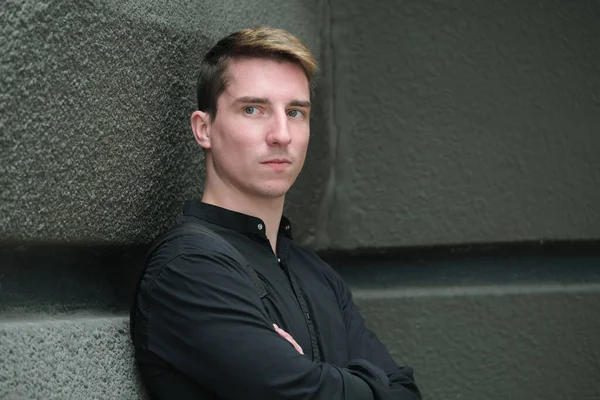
201,128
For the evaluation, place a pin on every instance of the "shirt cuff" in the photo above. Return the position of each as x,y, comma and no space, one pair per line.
374,376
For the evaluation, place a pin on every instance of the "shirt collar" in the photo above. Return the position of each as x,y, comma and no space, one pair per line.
232,219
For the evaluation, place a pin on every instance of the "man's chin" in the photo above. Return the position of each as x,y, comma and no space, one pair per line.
273,195
274,192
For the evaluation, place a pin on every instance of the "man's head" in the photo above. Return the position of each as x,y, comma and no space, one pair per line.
266,43
254,93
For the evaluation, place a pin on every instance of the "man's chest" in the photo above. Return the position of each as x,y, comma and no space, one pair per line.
302,302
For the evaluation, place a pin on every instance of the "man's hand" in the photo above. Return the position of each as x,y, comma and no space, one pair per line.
289,338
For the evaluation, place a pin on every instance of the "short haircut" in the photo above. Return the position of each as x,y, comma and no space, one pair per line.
269,43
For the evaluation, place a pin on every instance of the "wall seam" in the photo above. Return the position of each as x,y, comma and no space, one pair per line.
328,199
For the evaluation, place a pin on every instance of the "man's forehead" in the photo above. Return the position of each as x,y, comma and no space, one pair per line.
249,75
244,64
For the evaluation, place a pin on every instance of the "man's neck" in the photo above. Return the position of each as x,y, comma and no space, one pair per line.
269,210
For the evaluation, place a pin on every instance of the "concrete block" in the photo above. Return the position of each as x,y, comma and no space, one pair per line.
95,101
529,341
493,342
465,122
74,358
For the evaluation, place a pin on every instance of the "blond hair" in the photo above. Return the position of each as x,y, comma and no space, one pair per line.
276,44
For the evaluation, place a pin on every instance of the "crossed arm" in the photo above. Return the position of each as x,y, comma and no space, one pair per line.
220,337
365,345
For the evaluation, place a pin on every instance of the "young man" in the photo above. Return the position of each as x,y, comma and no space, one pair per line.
247,313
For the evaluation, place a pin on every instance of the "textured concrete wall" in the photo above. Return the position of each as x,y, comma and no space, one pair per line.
434,123
536,342
491,342
94,112
465,122
81,357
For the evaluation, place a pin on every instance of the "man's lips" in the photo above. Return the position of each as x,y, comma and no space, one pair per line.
277,164
277,161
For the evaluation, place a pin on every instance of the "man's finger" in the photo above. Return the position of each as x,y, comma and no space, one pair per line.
289,338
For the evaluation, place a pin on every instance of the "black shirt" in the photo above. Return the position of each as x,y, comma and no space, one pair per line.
202,331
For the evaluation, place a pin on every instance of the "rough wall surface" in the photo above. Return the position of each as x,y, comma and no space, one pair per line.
74,358
465,122
537,342
446,123
524,343
94,113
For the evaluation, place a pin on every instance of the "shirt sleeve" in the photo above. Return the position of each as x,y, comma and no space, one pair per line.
364,344
206,320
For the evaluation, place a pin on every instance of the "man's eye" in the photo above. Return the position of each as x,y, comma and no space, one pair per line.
251,110
295,113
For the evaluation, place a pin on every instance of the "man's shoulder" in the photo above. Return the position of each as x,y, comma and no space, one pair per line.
312,258
188,237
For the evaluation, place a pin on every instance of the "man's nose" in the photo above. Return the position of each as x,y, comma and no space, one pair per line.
279,130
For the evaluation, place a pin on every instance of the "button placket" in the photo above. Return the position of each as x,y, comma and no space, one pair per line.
307,318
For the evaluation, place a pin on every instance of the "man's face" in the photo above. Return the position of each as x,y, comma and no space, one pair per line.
259,137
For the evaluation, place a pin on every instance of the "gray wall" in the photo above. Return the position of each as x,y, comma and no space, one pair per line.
95,106
539,342
435,124
465,122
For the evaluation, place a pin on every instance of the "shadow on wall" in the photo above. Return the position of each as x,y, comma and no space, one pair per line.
57,279
62,279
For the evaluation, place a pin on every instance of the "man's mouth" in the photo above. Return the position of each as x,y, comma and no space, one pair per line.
277,161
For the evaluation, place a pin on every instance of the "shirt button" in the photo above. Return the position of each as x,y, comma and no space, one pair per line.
287,227
260,226
279,260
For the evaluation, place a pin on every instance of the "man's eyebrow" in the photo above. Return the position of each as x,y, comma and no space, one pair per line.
264,100
300,103
250,99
